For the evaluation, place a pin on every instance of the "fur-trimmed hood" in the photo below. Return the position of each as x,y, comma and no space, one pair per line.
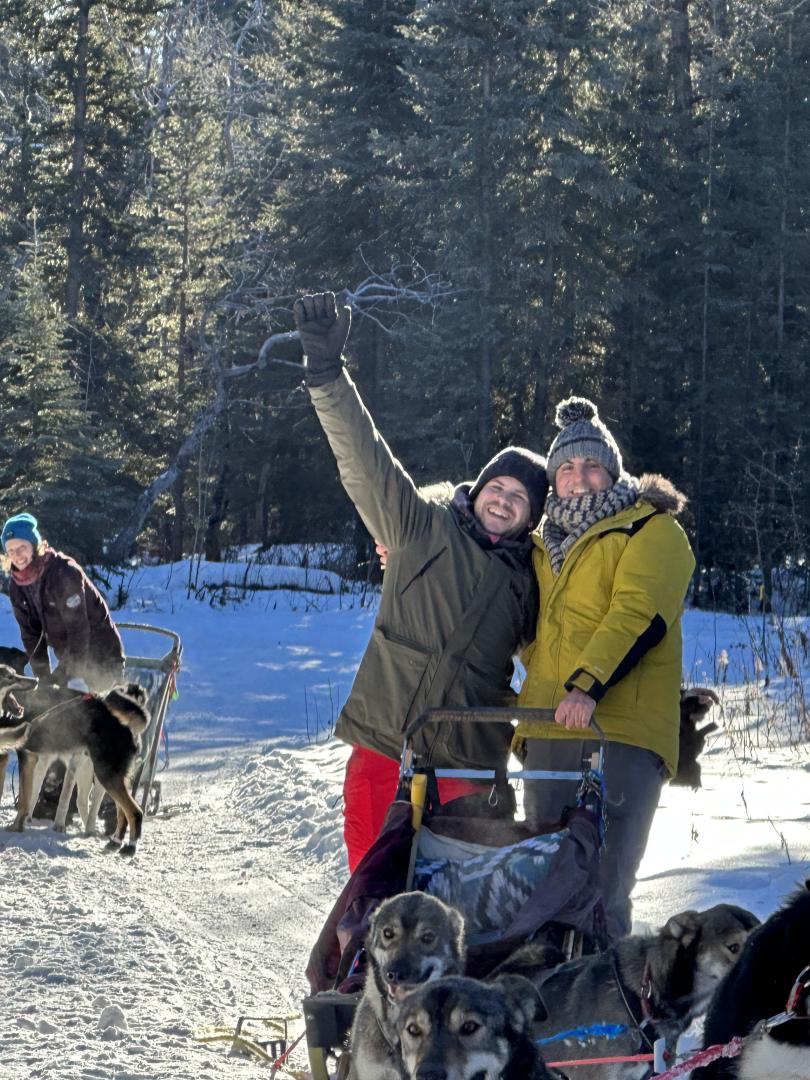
661,493
441,492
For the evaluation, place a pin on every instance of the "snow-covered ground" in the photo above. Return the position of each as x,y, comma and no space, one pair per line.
117,969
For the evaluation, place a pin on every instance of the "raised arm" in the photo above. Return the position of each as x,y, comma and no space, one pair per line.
382,491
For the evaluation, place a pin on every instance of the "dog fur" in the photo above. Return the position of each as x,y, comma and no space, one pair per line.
15,659
757,988
64,723
79,773
695,705
675,971
412,939
462,1029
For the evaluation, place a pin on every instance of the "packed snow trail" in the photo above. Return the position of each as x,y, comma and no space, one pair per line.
112,966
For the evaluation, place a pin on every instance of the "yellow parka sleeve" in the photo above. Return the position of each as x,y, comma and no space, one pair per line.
649,588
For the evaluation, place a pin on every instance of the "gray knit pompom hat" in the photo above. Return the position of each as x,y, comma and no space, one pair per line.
582,434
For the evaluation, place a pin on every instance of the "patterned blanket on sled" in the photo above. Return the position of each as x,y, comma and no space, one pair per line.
489,885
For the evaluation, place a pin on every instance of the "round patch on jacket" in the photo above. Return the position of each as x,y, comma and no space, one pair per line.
73,601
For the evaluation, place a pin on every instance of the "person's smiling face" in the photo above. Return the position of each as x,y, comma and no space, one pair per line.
21,552
502,506
581,476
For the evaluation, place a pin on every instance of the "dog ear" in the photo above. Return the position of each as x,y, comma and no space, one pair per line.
696,701
683,928
524,1004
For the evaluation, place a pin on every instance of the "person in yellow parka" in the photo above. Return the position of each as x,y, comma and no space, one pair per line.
613,567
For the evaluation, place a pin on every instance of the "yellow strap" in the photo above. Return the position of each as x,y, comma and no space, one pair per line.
418,797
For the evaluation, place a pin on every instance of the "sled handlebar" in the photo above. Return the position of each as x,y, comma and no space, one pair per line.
488,715
504,716
161,663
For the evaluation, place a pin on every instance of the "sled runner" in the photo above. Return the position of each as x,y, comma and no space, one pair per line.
511,883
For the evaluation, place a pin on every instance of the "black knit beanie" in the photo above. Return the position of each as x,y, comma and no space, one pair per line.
523,465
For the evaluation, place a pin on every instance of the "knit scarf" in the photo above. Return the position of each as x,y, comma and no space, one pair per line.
565,520
34,569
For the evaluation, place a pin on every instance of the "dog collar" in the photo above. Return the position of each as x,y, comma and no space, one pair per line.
800,987
645,994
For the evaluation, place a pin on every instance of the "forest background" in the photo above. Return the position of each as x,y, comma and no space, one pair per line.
520,199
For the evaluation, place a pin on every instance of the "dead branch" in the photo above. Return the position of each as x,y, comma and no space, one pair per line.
404,284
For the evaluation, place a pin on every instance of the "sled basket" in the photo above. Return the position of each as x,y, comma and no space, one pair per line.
511,883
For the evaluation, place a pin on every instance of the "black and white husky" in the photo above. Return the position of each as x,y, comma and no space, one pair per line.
65,723
758,988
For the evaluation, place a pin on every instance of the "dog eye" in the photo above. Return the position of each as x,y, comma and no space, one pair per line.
428,937
734,949
413,1030
388,932
469,1027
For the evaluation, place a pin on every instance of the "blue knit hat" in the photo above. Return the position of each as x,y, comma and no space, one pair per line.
21,527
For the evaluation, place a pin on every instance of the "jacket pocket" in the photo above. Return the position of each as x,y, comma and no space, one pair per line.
396,674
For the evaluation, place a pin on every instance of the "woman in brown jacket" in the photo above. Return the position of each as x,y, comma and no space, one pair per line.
57,606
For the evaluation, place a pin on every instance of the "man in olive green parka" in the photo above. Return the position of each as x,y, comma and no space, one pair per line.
458,598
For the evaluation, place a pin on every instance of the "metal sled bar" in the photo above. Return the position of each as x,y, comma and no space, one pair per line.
487,715
518,774
168,663
503,716
150,765
162,663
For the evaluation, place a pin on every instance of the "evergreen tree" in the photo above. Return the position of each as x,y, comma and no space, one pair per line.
49,452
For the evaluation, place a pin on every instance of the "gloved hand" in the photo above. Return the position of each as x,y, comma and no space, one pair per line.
323,331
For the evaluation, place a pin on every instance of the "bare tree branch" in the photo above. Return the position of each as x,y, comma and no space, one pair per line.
405,284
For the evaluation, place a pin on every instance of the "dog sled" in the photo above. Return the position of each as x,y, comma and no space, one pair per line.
158,676
511,883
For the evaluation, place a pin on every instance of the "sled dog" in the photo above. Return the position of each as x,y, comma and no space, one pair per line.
660,981
16,659
462,1029
412,939
774,960
63,723
695,705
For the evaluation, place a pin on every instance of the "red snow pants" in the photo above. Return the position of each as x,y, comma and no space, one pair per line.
369,788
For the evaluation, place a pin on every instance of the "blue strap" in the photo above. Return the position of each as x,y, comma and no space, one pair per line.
599,1031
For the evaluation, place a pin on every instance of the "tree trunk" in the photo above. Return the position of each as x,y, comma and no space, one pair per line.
680,56
220,502
178,488
545,346
486,256
78,198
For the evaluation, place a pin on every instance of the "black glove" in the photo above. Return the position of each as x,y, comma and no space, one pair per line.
323,331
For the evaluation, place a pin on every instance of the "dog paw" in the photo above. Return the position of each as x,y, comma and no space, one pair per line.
59,826
128,850
15,826
112,845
